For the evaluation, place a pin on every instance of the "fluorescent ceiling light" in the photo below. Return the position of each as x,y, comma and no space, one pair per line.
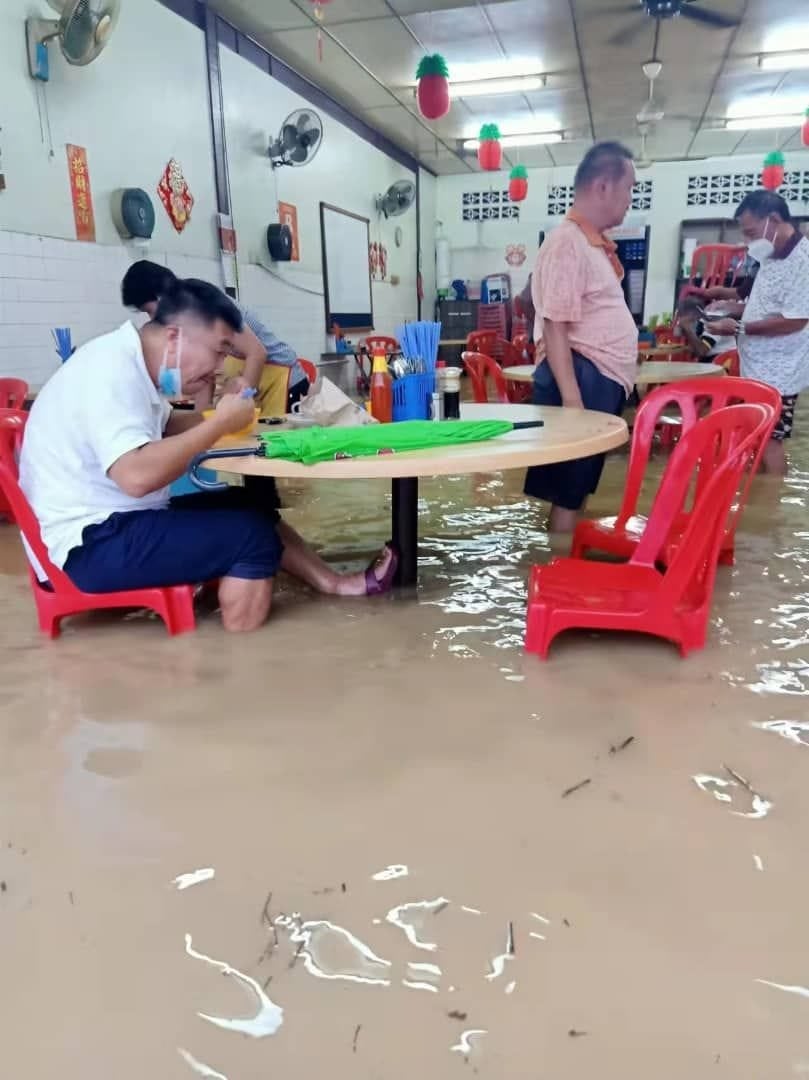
515,125
786,36
538,138
774,105
784,61
475,71
518,85
764,123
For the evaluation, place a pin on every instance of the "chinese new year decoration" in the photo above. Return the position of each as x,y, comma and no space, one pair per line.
378,261
518,183
81,194
319,13
490,152
772,175
805,130
175,195
432,95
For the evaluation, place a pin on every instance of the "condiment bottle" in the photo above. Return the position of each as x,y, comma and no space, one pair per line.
452,393
381,391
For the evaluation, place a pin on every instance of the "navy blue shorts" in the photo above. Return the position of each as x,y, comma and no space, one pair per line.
198,538
568,483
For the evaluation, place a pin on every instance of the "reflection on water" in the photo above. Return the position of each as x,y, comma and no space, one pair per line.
267,1020
332,952
199,1067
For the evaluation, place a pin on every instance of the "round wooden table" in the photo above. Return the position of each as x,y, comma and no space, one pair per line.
665,371
523,373
566,434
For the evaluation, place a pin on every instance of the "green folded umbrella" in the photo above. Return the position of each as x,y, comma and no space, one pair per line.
311,445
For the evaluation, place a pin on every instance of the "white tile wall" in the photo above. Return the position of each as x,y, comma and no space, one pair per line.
46,283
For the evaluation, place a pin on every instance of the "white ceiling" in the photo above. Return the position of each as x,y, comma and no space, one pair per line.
371,49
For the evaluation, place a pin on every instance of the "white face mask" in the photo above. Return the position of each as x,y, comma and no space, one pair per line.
762,248
170,379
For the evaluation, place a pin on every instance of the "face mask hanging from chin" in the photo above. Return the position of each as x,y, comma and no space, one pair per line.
762,248
169,378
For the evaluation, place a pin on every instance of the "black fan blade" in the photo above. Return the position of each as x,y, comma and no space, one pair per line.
627,34
300,153
621,9
710,18
289,136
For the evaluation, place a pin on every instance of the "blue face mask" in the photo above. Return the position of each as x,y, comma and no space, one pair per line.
170,379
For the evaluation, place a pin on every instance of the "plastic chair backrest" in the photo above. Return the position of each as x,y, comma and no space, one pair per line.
482,341
11,426
525,348
378,344
711,263
729,360
509,354
13,393
478,367
723,445
691,396
309,370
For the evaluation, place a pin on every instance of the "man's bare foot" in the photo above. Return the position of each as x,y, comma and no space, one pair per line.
356,585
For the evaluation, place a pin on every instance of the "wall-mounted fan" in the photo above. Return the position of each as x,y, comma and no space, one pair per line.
298,140
397,199
667,9
83,28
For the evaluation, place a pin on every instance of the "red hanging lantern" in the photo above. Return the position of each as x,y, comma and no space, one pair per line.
432,95
490,152
518,183
805,130
319,13
772,175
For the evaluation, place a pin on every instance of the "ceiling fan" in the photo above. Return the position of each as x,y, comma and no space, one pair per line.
668,9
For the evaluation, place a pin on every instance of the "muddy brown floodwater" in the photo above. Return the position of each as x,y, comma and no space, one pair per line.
340,847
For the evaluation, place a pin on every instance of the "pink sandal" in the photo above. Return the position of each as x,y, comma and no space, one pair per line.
378,586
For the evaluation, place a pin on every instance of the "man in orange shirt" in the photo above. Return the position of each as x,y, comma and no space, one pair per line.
587,341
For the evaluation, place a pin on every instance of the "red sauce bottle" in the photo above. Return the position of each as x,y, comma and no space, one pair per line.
381,391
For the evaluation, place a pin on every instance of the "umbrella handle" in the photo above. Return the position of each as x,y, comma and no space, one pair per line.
208,455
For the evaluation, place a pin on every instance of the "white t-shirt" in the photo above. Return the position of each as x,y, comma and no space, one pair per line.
97,407
781,288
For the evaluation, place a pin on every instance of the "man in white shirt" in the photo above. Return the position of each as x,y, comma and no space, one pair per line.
773,331
102,445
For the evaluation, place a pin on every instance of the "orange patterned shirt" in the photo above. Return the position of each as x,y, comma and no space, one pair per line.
577,280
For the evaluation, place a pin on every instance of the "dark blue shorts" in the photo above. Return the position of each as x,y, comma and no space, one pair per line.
198,538
568,483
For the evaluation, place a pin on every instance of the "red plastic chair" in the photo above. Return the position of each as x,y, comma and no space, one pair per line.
479,367
713,262
620,536
59,597
13,393
672,603
309,370
482,341
729,360
524,347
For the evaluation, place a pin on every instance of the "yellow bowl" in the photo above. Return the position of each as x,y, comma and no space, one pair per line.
208,413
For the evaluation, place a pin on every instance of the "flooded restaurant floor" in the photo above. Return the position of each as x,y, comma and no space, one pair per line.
360,843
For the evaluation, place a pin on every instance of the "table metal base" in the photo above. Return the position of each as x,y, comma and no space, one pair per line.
405,491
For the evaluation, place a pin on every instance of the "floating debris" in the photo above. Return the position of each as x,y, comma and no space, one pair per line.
456,1015
390,873
267,1020
468,1040
410,918
185,881
577,1034
357,1031
801,991
622,746
199,1067
576,787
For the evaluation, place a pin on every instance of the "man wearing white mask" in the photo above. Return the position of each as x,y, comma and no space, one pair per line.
773,330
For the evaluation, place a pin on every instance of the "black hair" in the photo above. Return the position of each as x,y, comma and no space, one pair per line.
761,204
605,160
201,300
145,282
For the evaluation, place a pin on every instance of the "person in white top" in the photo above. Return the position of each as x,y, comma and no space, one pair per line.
773,327
102,445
